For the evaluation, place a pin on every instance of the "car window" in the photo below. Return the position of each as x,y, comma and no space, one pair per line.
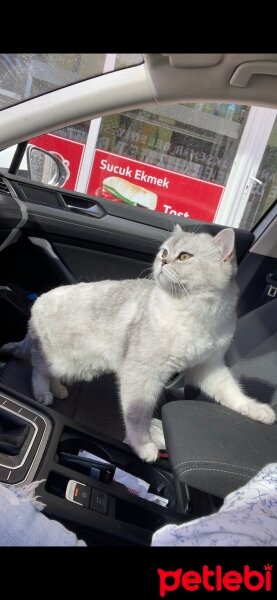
181,154
264,191
184,160
24,76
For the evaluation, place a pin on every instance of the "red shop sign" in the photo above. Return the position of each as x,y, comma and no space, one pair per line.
133,182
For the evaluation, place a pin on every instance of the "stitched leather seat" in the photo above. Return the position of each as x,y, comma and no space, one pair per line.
213,448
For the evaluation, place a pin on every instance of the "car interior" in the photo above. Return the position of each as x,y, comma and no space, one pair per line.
47,241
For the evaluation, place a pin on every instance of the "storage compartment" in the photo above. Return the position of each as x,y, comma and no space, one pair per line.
74,444
138,516
108,508
122,516
160,482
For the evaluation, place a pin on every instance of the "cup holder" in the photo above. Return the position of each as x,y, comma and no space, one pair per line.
74,445
161,482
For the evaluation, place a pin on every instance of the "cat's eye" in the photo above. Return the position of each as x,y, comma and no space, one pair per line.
164,253
184,256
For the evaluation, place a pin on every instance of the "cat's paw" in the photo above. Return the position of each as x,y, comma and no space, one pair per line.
147,452
259,412
59,390
156,433
62,393
44,397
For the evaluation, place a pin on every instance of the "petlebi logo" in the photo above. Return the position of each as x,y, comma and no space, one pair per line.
215,580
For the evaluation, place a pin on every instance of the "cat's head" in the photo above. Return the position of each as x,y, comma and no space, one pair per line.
188,262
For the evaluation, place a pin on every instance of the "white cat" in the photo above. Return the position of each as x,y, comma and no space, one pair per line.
144,331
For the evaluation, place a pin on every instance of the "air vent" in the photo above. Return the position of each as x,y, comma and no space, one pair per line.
4,187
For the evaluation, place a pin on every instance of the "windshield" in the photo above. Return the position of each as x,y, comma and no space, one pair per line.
24,76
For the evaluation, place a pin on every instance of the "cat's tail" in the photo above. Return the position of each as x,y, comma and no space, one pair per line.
18,349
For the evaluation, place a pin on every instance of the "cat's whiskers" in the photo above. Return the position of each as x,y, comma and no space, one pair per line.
196,228
145,271
184,289
175,283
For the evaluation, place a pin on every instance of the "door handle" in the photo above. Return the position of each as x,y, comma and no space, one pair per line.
255,179
90,211
251,179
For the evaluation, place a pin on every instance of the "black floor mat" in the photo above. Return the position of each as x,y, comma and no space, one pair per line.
95,404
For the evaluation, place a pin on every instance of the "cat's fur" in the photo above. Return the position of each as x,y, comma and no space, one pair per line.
144,331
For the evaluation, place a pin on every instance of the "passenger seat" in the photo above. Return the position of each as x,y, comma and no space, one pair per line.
213,448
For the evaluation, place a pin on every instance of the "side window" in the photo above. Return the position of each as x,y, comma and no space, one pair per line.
264,190
66,146
55,158
209,162
175,159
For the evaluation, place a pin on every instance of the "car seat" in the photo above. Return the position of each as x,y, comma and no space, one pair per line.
213,448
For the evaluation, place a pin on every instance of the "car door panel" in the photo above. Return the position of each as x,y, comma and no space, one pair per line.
94,265
116,241
126,227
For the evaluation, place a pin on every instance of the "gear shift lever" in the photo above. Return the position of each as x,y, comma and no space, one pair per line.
13,433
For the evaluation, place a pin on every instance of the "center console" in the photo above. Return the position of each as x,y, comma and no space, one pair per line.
99,512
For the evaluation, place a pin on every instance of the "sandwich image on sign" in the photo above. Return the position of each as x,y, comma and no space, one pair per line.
130,193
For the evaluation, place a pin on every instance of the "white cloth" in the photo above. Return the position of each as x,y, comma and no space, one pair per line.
248,517
23,524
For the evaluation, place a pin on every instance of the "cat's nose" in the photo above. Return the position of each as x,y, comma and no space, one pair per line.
164,261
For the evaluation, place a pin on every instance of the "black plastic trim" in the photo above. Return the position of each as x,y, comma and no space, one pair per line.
10,213
122,225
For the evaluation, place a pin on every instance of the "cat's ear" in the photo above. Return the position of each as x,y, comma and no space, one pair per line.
178,229
225,239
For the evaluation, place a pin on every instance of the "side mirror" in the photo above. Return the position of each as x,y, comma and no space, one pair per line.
47,167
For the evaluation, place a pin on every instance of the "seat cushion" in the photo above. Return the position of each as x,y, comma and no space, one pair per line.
213,448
